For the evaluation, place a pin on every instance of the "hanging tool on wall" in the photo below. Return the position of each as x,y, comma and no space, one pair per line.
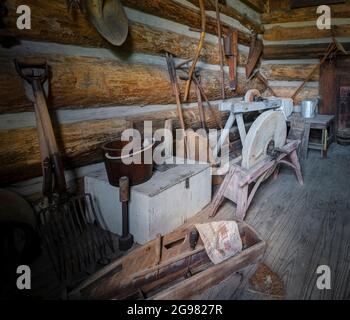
211,108
200,104
256,49
68,225
221,50
107,16
198,52
231,52
176,90
332,49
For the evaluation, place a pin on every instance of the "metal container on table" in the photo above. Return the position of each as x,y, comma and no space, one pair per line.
309,108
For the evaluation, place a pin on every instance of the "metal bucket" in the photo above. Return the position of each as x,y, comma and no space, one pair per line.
116,168
309,108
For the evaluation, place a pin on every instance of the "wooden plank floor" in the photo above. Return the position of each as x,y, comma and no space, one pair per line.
308,226
304,227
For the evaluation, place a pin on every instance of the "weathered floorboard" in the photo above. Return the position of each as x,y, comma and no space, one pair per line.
308,226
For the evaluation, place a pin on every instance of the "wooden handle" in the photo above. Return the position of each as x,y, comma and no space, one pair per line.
47,130
198,51
45,156
200,107
124,195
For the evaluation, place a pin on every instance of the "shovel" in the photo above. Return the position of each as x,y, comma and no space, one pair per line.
69,226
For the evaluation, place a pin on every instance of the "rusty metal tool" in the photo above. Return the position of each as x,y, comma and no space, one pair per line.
221,50
211,108
231,52
255,51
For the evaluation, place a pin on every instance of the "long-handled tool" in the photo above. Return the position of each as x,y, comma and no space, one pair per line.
333,47
231,52
221,50
198,51
255,51
69,226
200,106
176,90
126,240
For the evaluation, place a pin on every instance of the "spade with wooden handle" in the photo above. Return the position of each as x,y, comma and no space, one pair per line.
47,188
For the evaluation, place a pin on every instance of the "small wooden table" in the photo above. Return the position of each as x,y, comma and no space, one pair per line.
326,123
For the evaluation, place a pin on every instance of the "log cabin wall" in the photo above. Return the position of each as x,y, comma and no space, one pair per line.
97,90
293,44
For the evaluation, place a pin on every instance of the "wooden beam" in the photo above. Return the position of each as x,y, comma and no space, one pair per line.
288,72
257,5
304,14
79,142
280,33
173,11
311,3
80,82
298,51
233,13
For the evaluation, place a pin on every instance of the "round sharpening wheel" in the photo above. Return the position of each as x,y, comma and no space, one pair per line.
269,129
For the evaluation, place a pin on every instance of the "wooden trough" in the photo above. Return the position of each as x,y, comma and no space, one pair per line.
168,268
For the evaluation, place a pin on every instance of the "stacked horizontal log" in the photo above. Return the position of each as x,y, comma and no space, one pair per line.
80,82
174,11
287,25
302,14
281,33
74,29
289,72
295,44
87,73
80,142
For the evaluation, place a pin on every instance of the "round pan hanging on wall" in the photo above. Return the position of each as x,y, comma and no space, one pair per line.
108,17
